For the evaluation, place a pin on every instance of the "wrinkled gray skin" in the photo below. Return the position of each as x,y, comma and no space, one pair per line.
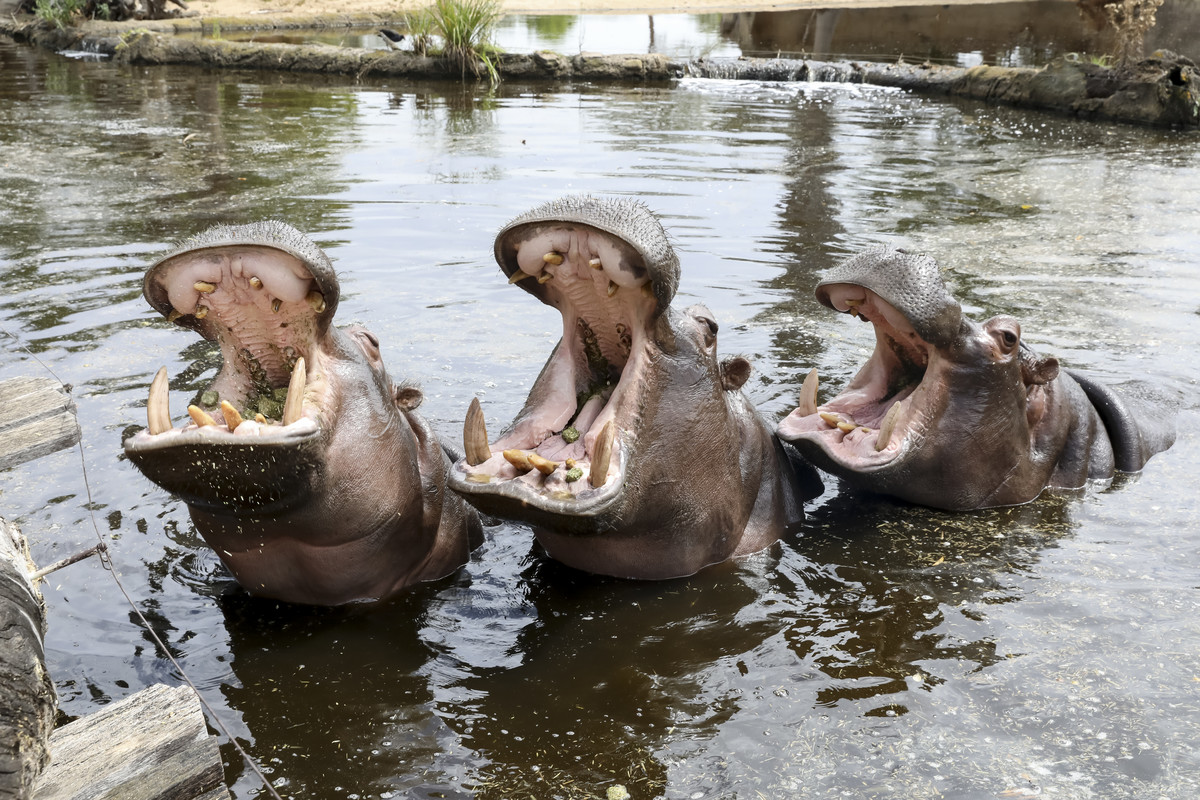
696,476
347,503
984,420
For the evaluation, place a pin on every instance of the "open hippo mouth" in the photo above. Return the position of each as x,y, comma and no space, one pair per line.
888,409
252,439
568,450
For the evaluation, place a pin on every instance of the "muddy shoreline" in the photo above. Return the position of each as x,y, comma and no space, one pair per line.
1161,91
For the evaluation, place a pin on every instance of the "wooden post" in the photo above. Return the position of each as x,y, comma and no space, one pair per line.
152,745
37,418
27,699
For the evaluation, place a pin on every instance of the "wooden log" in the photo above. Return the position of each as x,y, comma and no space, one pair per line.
152,745
37,417
27,700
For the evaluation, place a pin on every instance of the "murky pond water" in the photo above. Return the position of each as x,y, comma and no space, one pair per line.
884,652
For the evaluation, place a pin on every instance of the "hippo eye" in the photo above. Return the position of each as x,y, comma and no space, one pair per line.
1009,338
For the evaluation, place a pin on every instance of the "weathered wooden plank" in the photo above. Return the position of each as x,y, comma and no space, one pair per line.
37,417
152,745
27,700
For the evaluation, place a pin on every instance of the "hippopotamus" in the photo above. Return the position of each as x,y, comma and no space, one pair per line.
956,414
636,454
302,465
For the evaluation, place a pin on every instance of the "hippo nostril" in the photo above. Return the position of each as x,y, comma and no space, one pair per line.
712,325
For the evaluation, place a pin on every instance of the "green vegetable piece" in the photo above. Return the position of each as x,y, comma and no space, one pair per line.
209,398
570,434
573,474
269,408
279,395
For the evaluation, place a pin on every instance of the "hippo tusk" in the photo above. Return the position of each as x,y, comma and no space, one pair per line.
475,438
808,394
232,417
256,282
200,417
204,287
602,455
612,288
293,407
158,408
518,275
595,263
553,258
316,301
887,426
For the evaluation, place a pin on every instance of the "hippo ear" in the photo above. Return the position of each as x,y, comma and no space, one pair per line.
735,372
1037,370
408,397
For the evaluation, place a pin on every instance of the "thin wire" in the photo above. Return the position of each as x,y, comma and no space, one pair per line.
106,562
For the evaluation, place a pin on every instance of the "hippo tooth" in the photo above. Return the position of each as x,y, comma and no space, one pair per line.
260,419
174,315
846,427
808,394
475,438
232,417
887,426
200,416
831,418
518,276
595,263
201,312
204,287
602,455
542,465
553,258
612,288
316,300
545,277
275,304
158,409
256,282
519,459
293,407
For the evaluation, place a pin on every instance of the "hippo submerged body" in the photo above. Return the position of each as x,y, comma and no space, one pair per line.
956,414
636,454
302,465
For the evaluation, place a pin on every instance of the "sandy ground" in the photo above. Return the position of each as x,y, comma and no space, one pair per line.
396,8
